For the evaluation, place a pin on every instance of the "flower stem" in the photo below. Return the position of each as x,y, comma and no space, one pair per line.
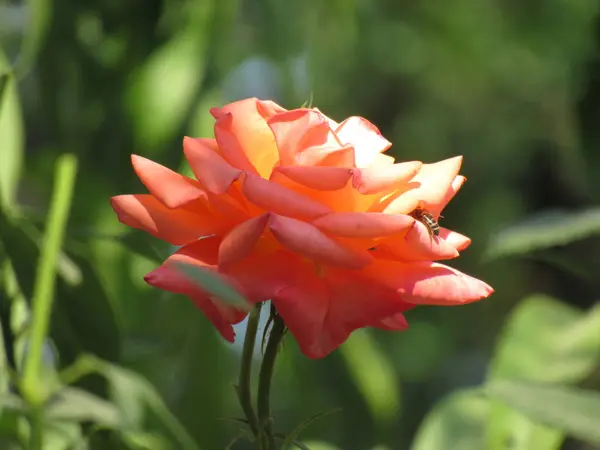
243,388
264,381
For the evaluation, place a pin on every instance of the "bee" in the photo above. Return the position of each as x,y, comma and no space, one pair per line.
427,219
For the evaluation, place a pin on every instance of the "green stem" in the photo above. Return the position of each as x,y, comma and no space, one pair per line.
265,378
36,436
43,289
243,388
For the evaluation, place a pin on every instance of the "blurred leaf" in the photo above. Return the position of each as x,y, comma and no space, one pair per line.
40,15
31,385
59,435
544,230
295,433
546,341
11,134
4,373
143,244
456,422
76,405
89,310
214,286
320,445
11,430
572,410
162,91
374,376
84,319
132,394
145,441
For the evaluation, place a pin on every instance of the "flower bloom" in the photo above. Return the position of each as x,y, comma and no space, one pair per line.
309,213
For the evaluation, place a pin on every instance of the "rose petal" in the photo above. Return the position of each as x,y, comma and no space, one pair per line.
273,197
364,137
169,278
457,240
402,204
244,137
322,312
427,283
316,177
416,245
457,183
171,188
177,226
397,322
377,179
363,225
240,241
303,137
211,170
307,240
435,180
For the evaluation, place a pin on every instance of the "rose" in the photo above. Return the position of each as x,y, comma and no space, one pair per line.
308,213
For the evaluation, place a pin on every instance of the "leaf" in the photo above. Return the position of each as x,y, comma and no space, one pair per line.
4,372
457,423
83,316
162,91
40,15
295,433
547,341
89,311
544,230
132,394
319,445
143,244
43,296
76,405
145,441
214,286
572,410
374,376
11,134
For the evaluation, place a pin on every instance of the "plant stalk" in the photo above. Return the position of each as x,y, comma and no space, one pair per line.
265,380
243,388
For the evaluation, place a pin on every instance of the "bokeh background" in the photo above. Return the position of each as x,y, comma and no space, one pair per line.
514,86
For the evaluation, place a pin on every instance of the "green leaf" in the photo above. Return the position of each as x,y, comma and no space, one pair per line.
456,422
40,15
11,134
145,441
61,435
214,286
144,245
162,91
76,405
295,433
320,445
4,372
132,394
374,376
572,410
546,341
32,386
83,317
88,310
544,230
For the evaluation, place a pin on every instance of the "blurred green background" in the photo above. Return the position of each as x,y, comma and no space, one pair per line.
514,86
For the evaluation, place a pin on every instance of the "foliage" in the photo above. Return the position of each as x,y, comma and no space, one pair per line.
513,86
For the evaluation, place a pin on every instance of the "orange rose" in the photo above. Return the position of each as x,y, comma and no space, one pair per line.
308,213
